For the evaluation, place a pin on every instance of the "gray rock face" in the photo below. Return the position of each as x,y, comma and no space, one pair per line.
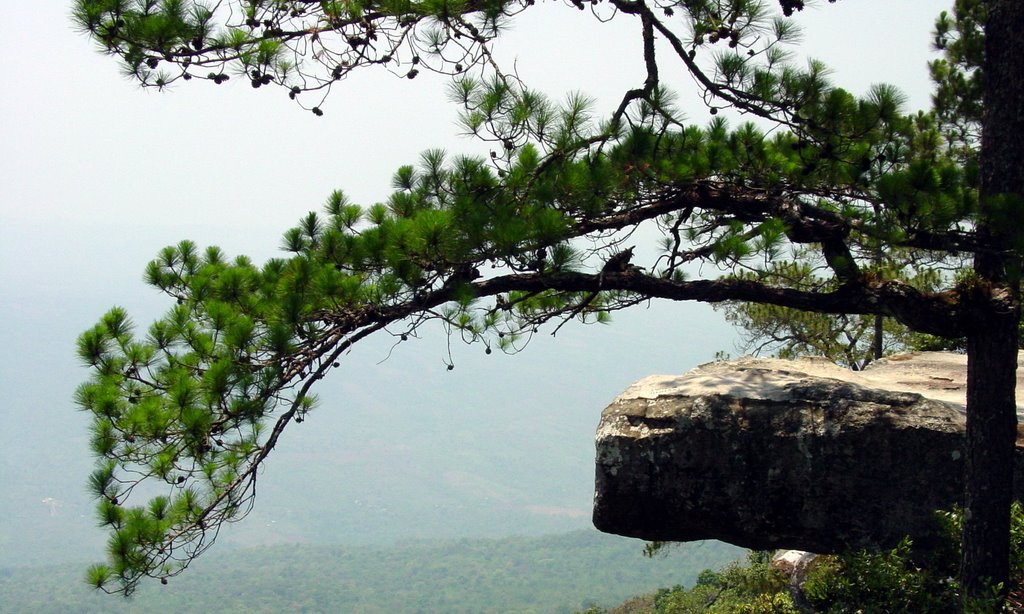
766,453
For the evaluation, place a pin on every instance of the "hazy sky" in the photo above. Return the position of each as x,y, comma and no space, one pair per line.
97,175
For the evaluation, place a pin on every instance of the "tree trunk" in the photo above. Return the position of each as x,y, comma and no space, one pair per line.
991,432
877,338
992,346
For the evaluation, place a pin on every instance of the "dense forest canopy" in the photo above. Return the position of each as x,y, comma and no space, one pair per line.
826,202
543,575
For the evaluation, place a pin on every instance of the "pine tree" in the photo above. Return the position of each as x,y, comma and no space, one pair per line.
849,340
491,248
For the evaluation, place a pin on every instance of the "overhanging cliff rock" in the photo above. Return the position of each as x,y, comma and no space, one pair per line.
767,453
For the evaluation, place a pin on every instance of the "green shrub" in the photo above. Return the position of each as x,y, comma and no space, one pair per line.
751,588
897,581
878,583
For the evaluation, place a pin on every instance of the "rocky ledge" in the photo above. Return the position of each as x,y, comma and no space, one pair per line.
767,453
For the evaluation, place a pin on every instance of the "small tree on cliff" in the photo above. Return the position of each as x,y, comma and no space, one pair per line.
490,247
849,340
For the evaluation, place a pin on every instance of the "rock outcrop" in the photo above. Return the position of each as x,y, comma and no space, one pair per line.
767,453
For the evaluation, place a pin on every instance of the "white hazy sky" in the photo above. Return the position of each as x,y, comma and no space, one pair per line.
97,175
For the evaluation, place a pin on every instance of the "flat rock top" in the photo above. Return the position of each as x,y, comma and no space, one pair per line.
936,375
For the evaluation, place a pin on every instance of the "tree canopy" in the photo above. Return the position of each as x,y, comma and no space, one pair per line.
790,209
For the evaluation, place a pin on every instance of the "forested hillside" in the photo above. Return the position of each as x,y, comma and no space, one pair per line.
561,573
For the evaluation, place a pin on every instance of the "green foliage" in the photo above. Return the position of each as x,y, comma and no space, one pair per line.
901,580
958,77
885,582
827,210
264,41
928,190
199,401
845,339
751,588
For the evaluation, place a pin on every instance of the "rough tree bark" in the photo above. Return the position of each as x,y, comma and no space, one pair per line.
992,344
